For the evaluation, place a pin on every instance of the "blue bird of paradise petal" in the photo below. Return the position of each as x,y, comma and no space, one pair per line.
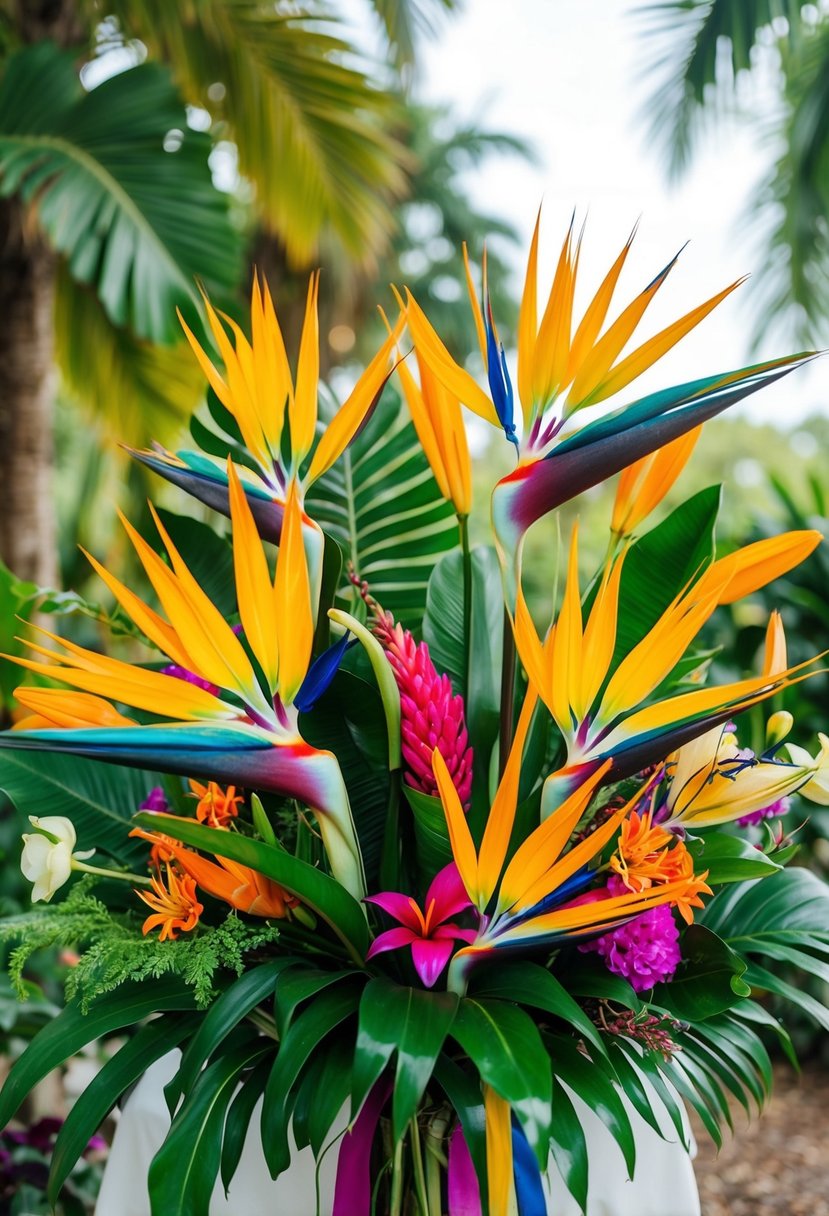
500,385
321,674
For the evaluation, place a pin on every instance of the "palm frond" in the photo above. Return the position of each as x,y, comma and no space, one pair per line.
791,207
311,129
406,21
132,219
136,390
699,48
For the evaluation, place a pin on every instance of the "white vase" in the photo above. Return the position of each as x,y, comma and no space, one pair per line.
663,1184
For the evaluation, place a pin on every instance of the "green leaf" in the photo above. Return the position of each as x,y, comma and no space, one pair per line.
729,858
650,1063
596,1089
569,1145
207,555
298,985
349,720
16,600
443,630
333,1091
382,505
184,1170
464,1093
99,800
239,1115
506,1048
306,1035
130,217
530,984
88,1112
223,1016
590,978
431,834
72,1030
407,1021
708,980
322,894
678,549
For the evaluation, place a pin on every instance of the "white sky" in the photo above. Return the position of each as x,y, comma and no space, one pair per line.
567,75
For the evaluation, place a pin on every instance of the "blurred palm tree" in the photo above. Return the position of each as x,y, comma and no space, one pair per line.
701,51
108,210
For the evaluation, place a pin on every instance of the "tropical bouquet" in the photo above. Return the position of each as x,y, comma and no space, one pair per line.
372,842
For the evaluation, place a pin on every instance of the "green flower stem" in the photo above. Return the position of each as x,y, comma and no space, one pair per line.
463,525
435,1159
396,1197
417,1169
507,694
100,872
262,1021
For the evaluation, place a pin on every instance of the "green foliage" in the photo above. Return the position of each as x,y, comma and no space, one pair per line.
700,49
349,720
312,129
322,894
97,798
99,157
115,952
381,504
17,599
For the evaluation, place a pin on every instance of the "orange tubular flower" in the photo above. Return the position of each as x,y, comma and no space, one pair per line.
234,884
175,906
644,484
216,806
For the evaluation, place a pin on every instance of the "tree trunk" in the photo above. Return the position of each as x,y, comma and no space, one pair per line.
27,387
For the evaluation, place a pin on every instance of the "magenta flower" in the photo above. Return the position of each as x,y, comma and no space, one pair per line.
431,936
780,807
644,950
431,715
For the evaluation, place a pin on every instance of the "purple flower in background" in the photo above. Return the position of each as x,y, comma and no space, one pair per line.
155,801
780,807
644,950
432,935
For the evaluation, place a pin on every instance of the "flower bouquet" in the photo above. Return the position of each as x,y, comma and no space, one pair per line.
372,842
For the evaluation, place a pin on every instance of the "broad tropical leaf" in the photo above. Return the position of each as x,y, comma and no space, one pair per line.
99,800
132,219
382,505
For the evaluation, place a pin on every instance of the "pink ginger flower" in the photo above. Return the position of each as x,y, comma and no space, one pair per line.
644,950
432,715
432,935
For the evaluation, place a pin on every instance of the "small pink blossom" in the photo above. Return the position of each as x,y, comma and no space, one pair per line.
432,935
431,715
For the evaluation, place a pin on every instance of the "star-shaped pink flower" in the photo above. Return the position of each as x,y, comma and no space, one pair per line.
431,935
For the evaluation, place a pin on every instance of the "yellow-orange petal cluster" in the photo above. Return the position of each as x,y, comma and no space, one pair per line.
175,907
216,807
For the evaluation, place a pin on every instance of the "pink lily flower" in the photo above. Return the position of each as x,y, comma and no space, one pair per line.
431,936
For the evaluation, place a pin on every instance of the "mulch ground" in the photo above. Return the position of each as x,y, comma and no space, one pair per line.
777,1164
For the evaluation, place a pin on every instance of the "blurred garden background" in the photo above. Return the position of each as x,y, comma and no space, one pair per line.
152,148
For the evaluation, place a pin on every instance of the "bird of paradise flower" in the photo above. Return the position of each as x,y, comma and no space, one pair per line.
246,733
